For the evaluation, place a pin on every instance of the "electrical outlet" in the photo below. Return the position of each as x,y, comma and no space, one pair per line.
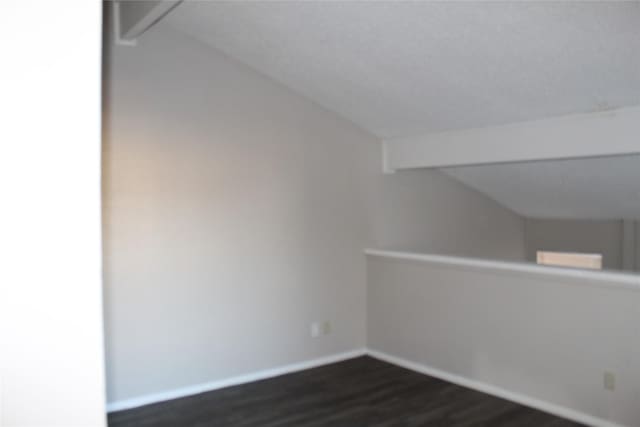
326,327
315,330
609,381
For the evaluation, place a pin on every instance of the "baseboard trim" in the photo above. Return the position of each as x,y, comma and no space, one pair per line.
522,399
135,402
483,387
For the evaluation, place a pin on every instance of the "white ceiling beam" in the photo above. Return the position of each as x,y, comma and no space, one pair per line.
605,133
134,17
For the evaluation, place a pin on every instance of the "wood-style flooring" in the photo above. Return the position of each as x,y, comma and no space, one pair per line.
361,392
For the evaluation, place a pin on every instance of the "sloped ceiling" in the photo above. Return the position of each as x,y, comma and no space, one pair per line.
404,68
596,188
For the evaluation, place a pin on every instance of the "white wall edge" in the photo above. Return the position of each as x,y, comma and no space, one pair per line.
228,382
522,399
597,278
386,168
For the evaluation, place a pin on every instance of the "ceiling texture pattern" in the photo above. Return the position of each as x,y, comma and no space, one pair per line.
400,69
405,68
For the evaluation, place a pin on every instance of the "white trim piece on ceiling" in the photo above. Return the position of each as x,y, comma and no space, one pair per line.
141,22
606,133
117,23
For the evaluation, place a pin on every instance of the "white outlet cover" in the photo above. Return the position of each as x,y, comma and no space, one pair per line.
326,327
315,330
609,381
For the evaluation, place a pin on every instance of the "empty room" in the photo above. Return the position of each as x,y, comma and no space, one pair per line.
320,213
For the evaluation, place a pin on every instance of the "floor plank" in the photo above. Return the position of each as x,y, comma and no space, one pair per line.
361,392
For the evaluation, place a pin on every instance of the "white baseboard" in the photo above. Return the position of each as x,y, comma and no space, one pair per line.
522,399
147,399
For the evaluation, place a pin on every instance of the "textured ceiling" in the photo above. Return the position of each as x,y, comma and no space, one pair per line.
596,188
403,68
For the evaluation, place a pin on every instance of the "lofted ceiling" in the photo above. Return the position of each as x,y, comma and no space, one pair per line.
400,68
593,188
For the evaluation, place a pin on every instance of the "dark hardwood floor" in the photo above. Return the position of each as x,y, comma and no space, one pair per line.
362,392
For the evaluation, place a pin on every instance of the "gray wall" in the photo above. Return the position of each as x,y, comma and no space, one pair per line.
589,236
236,212
603,237
427,211
528,335
232,220
637,246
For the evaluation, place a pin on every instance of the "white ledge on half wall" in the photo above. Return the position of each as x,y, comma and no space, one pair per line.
598,278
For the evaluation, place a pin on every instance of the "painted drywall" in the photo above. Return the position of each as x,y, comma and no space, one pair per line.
427,211
233,218
51,341
637,246
598,237
133,11
547,339
235,214
613,239
596,188
629,245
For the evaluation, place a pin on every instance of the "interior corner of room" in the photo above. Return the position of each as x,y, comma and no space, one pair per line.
323,213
